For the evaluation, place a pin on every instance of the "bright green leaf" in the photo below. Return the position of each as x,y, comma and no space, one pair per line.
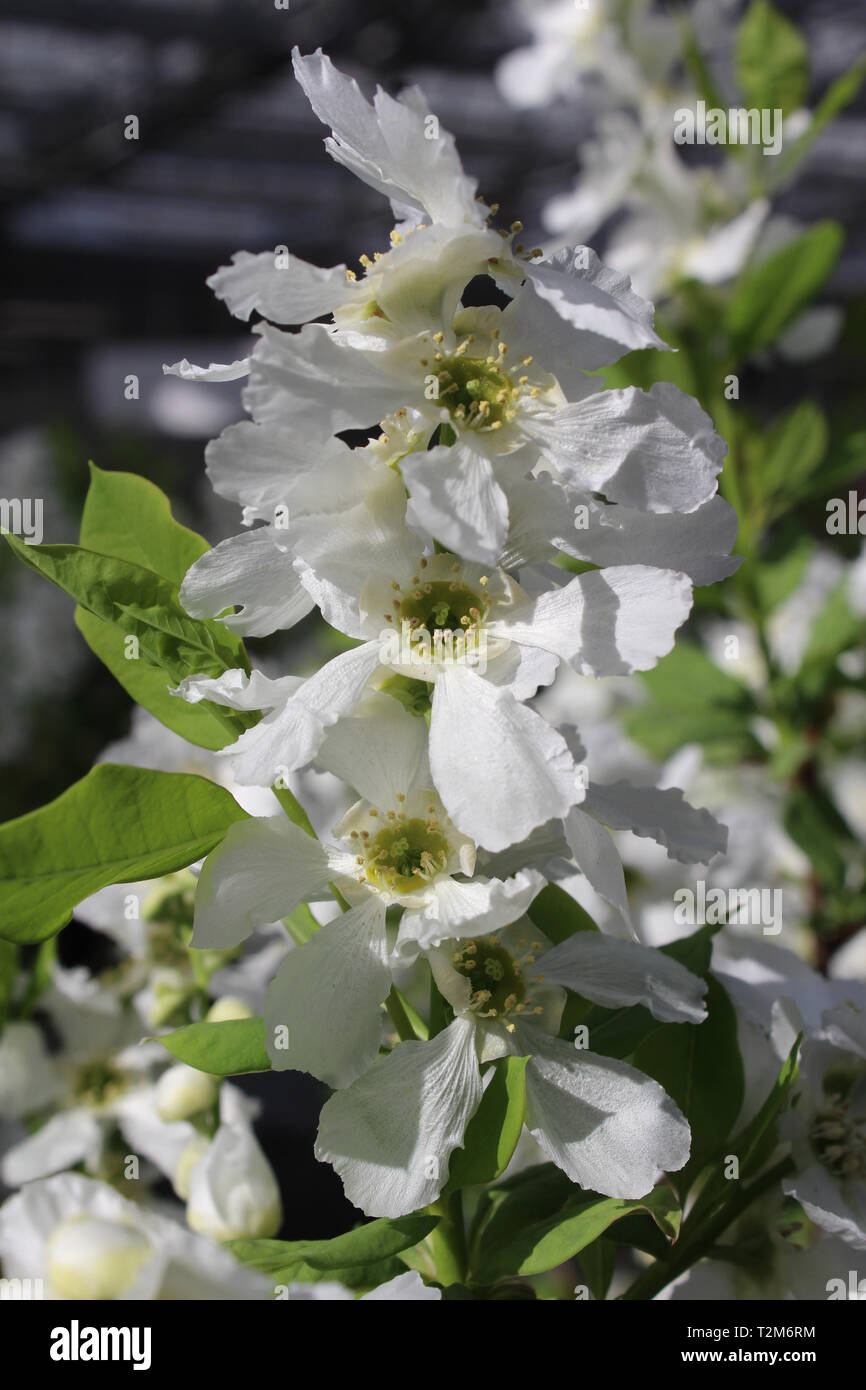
308,1261
118,824
129,518
221,1049
493,1131
768,296
772,60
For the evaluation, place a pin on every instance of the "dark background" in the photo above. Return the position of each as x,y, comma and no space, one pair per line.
106,244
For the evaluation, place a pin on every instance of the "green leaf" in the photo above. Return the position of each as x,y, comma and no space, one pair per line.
221,1049
813,823
293,809
309,1261
133,602
550,1243
836,628
493,1131
117,825
206,725
782,461
780,570
768,296
771,60
837,96
598,1262
129,518
693,701
557,915
700,1067
8,978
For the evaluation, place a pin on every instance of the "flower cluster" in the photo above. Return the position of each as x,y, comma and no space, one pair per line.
505,516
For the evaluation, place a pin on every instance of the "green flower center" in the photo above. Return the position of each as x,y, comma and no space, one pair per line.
838,1136
476,390
443,606
403,857
494,976
97,1084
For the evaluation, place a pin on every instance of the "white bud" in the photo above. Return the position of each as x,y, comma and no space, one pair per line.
90,1258
182,1092
233,1194
192,1154
226,1009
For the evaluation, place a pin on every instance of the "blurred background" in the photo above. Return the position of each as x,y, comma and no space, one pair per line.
107,242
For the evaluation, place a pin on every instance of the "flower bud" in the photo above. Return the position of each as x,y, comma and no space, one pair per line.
192,1154
233,1194
227,1009
91,1258
182,1092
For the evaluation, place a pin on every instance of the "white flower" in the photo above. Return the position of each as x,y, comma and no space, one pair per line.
828,1126
398,848
85,1241
30,1080
499,768
232,1191
390,1135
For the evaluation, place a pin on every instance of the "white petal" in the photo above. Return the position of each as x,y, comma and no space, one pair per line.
381,752
291,291
615,973
602,1122
260,465
404,1288
68,1138
695,543
391,1134
499,768
598,859
458,501
608,622
824,1203
319,383
251,570
653,450
461,909
327,995
575,289
237,690
260,872
688,834
291,736
386,144
217,371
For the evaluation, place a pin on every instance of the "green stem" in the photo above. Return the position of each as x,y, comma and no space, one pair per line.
697,1243
399,1017
448,1240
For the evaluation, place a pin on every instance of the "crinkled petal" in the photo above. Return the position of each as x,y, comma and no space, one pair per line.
253,571
575,291
322,1009
386,144
652,450
499,768
662,814
615,973
606,1125
258,874
598,859
217,371
695,543
320,384
390,1135
825,1203
292,734
281,287
608,622
457,500
404,1288
237,690
461,909
260,466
